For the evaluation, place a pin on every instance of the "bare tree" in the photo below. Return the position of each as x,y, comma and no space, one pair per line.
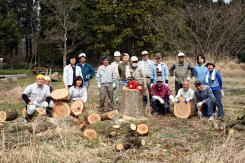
66,24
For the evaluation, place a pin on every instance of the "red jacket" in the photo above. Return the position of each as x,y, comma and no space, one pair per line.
164,92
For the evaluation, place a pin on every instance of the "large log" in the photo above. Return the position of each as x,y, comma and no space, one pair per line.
8,115
132,103
61,109
142,129
60,94
184,110
77,107
93,118
109,115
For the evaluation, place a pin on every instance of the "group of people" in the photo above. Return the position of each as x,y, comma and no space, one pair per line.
153,76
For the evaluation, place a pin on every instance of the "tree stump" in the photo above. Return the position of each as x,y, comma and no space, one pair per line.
8,115
77,107
60,94
61,109
142,129
132,103
184,110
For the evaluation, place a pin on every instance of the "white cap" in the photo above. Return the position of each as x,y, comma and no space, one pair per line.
117,54
134,58
144,52
47,78
82,55
180,54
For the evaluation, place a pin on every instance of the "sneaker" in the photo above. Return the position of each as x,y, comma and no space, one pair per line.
211,118
215,115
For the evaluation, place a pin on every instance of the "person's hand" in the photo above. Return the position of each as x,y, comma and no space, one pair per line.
177,101
187,100
222,93
30,103
161,100
199,104
99,86
114,85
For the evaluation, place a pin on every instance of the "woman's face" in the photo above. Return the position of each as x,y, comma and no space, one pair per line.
200,60
72,61
79,82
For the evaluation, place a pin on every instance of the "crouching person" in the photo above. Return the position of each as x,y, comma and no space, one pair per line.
78,91
161,94
205,100
36,95
185,92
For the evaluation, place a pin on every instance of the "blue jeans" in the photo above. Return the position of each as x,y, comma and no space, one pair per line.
207,109
218,101
123,83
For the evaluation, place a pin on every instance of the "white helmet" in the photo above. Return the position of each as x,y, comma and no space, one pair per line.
82,55
117,54
134,58
180,54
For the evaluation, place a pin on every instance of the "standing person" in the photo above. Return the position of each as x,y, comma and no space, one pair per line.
71,71
146,64
123,70
181,71
214,80
185,92
78,91
161,94
205,100
106,82
159,69
87,69
200,70
36,95
117,60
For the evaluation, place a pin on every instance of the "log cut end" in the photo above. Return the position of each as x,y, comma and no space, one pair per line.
89,133
61,109
77,107
142,129
8,115
93,118
60,94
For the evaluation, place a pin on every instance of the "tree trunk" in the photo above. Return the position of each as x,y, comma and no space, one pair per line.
8,115
77,107
132,103
61,109
65,46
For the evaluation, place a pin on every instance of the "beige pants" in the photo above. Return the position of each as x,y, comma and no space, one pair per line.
106,90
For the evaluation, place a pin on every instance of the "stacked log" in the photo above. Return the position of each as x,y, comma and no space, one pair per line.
8,115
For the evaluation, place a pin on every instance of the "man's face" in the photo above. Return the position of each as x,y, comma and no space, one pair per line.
82,59
186,86
105,62
47,82
117,59
159,83
199,87
72,61
125,59
210,67
158,60
145,57
40,81
181,59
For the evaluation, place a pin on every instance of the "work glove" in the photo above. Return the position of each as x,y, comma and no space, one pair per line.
187,100
161,100
114,85
188,78
99,86
177,100
222,93
151,85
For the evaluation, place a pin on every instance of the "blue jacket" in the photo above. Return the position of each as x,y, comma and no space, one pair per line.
200,73
217,83
164,73
87,71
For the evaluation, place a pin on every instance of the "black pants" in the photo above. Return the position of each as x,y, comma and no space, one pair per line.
160,108
178,85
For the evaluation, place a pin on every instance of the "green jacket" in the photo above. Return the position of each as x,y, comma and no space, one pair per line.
122,71
181,71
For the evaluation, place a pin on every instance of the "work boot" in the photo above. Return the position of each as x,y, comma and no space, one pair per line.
27,118
49,111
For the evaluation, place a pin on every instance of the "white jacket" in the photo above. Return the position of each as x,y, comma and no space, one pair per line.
68,74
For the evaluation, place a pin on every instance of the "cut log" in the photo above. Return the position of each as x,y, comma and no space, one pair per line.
132,103
77,107
79,122
60,94
184,110
239,127
89,133
121,147
61,109
116,126
93,118
142,129
109,115
133,127
231,131
113,134
8,115
136,141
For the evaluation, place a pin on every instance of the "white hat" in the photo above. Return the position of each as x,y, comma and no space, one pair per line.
117,54
47,78
82,55
134,58
180,54
144,52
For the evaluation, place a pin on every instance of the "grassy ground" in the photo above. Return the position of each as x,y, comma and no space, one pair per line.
170,139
